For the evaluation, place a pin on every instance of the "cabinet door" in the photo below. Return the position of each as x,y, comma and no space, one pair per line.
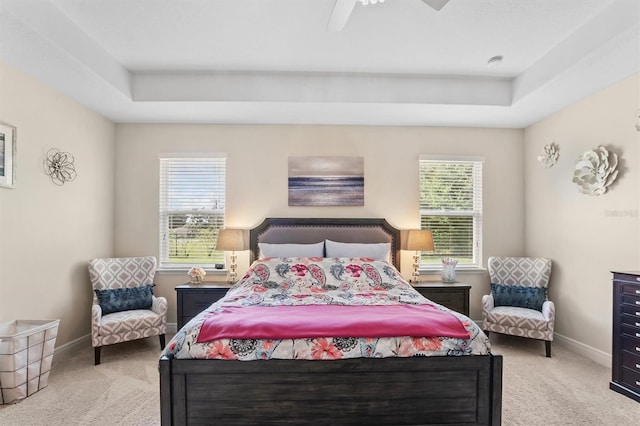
451,299
192,301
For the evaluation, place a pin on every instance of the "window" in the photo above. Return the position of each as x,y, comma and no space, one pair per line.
192,202
451,207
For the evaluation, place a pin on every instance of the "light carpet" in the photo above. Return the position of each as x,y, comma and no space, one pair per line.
566,389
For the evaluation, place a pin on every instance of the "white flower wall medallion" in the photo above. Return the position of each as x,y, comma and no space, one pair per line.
595,171
550,155
59,166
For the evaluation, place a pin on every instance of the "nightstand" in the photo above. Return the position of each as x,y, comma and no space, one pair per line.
192,300
454,296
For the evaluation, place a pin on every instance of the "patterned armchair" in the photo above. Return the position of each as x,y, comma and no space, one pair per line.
518,303
124,307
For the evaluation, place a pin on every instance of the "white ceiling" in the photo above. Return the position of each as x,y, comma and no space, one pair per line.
273,61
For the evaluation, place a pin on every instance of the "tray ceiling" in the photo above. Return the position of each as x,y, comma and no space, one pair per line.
400,62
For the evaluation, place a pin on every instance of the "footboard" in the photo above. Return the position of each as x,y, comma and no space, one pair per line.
463,390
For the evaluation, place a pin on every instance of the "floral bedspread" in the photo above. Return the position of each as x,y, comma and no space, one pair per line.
313,281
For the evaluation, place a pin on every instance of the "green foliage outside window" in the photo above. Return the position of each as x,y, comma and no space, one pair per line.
446,186
193,237
447,208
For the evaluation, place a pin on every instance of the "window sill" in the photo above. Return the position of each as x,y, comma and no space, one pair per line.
461,271
183,271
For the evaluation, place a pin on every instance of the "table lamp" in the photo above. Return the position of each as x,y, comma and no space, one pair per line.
232,240
418,240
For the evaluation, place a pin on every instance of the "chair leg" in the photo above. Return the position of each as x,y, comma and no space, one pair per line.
161,341
96,354
547,346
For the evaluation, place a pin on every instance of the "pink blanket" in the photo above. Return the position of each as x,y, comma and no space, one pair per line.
300,322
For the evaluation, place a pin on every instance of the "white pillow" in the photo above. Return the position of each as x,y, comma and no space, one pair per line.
291,250
378,251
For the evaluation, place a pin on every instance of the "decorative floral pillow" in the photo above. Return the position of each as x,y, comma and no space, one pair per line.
125,299
520,296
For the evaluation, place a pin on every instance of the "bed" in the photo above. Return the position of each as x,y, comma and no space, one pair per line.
456,382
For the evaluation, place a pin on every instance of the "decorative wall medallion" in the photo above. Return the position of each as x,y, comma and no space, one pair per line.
59,166
595,170
550,155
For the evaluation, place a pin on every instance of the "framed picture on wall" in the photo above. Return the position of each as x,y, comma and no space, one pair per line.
326,181
7,155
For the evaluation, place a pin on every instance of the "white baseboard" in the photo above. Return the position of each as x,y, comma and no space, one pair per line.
62,349
587,351
602,358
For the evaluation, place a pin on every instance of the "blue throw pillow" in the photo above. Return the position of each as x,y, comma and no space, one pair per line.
125,299
520,296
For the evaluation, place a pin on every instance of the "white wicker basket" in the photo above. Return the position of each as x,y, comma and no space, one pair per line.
26,353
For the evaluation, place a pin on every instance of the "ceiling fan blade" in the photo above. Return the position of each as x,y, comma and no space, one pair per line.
340,14
436,4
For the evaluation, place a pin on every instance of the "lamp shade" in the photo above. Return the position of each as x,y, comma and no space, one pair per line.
418,240
232,240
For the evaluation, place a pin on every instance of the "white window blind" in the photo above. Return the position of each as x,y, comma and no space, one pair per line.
192,204
451,207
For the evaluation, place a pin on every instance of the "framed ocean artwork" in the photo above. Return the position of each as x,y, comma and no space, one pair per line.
326,181
7,156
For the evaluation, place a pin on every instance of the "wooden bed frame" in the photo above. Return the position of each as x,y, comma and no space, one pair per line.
465,390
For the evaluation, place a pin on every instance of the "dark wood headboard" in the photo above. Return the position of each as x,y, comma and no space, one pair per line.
306,231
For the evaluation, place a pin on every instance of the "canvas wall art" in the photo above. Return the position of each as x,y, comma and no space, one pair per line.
7,156
326,181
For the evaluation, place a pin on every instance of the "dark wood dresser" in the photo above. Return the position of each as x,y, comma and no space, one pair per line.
192,300
454,296
625,368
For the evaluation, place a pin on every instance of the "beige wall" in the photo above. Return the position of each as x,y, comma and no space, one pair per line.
586,236
49,232
257,180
